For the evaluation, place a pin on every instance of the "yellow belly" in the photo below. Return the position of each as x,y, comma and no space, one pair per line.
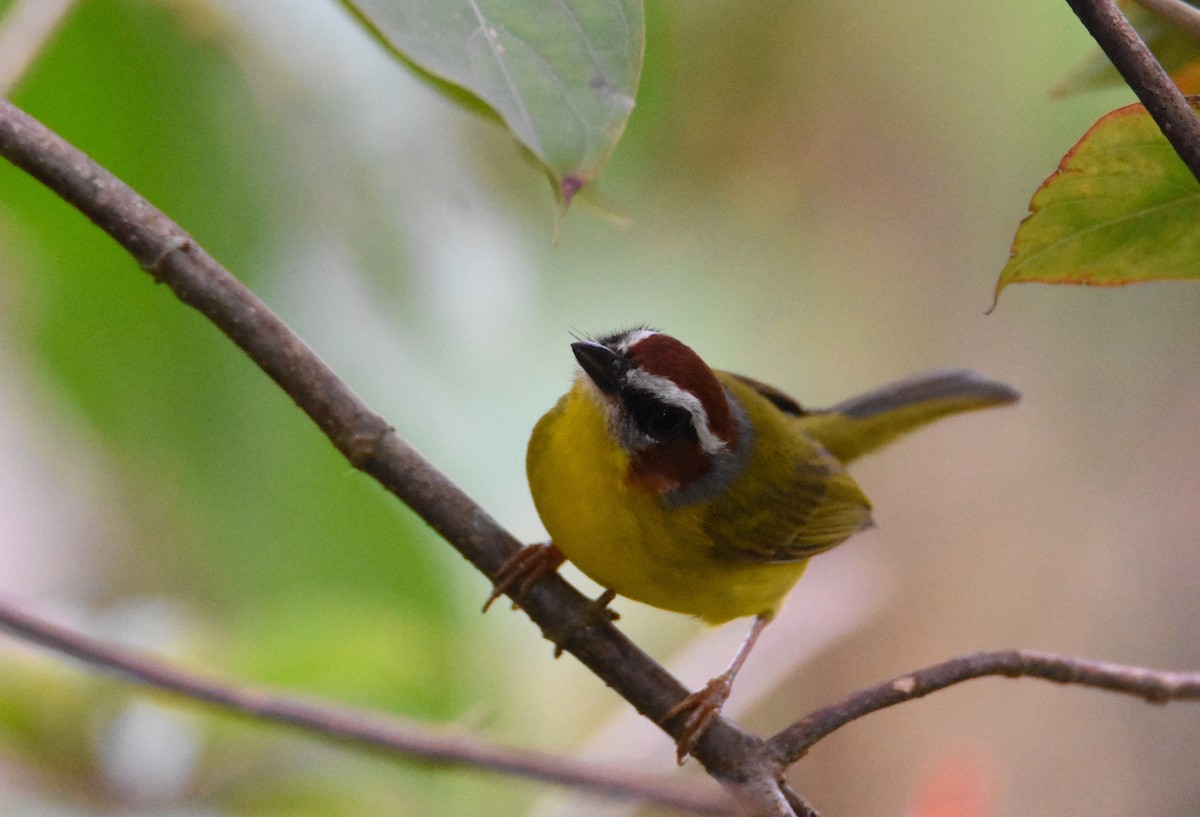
621,536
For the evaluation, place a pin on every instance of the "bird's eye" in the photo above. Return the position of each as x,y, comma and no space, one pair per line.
668,423
659,420
656,418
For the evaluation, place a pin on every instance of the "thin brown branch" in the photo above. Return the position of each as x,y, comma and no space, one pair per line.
370,729
172,257
1164,102
1177,12
1154,686
800,806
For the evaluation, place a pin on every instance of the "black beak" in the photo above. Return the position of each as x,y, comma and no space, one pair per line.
605,367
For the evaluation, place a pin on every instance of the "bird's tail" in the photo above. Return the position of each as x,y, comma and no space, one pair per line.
862,424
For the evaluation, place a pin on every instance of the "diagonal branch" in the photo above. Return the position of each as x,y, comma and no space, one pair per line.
1154,686
1127,51
172,257
370,729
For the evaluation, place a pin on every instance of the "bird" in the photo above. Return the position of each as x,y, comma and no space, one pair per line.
703,492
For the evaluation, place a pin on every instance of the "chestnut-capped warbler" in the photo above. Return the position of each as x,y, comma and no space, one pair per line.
705,492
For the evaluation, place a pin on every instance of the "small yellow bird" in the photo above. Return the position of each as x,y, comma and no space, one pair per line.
705,492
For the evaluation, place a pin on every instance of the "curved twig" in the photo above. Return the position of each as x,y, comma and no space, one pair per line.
1154,686
370,729
1129,54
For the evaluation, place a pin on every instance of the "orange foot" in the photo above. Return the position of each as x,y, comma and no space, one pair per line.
701,707
527,567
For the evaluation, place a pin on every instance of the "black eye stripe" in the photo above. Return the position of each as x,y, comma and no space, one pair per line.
657,418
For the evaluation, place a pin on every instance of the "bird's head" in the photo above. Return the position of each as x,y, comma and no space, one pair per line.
686,437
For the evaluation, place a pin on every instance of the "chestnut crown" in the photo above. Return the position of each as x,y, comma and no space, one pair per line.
665,406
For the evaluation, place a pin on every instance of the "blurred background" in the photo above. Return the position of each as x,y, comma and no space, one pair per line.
820,195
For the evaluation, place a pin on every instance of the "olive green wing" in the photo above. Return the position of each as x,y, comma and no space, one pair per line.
844,510
794,499
814,511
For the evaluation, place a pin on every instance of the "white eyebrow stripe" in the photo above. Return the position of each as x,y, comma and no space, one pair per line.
725,468
631,339
666,390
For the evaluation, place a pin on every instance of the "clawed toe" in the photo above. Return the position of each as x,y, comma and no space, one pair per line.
702,707
527,567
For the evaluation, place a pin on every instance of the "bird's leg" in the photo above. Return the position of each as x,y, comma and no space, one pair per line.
527,567
705,703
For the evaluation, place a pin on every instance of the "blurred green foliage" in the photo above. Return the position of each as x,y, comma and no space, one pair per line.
190,417
233,502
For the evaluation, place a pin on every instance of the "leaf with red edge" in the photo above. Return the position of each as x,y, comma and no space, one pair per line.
1122,208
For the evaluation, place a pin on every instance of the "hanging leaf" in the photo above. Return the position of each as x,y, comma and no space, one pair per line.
1122,208
561,75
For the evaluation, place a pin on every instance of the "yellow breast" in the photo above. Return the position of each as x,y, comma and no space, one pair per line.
622,536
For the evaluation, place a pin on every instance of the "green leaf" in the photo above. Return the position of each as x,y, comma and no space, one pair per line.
561,75
1122,208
